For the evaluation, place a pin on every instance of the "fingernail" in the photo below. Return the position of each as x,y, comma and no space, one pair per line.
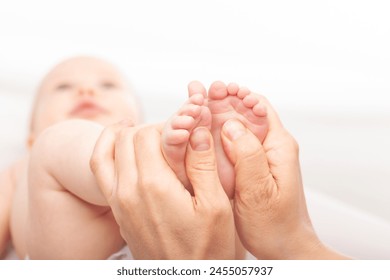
233,129
200,139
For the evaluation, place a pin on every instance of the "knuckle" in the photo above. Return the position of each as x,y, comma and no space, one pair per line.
124,133
216,209
108,130
124,198
150,187
142,135
203,165
291,141
294,144
114,127
147,182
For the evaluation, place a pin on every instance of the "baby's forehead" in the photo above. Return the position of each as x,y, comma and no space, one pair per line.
82,68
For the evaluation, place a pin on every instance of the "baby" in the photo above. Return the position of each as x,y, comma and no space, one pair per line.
78,88
57,209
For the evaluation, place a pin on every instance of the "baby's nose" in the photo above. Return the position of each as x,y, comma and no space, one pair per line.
87,90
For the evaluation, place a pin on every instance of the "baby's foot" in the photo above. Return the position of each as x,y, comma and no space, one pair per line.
177,130
228,102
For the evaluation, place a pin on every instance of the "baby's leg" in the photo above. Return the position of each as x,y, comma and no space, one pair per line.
69,217
194,113
228,102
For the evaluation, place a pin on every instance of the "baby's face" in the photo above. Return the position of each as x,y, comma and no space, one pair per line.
85,88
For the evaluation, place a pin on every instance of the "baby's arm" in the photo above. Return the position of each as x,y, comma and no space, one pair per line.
6,191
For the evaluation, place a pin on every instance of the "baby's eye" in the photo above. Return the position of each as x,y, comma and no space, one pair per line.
63,86
108,85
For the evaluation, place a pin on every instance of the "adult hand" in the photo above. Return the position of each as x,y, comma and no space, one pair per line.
158,217
269,204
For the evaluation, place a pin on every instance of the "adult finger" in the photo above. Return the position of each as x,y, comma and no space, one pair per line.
201,166
246,154
125,166
149,159
102,160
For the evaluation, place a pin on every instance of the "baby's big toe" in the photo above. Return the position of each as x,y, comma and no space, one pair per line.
217,91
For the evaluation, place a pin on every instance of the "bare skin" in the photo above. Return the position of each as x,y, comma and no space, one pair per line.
270,211
19,206
69,203
78,88
176,134
171,223
269,206
219,105
78,206
60,195
7,183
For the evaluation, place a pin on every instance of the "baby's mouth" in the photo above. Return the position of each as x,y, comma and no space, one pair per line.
87,109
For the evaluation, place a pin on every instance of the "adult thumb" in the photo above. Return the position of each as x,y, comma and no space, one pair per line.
201,165
247,155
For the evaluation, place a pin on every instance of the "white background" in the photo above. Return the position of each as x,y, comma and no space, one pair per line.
325,65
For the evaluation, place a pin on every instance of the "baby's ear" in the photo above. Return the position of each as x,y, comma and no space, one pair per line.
30,140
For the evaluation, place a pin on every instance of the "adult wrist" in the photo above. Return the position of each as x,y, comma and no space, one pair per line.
309,247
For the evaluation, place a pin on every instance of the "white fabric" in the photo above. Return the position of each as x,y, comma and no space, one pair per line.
122,254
